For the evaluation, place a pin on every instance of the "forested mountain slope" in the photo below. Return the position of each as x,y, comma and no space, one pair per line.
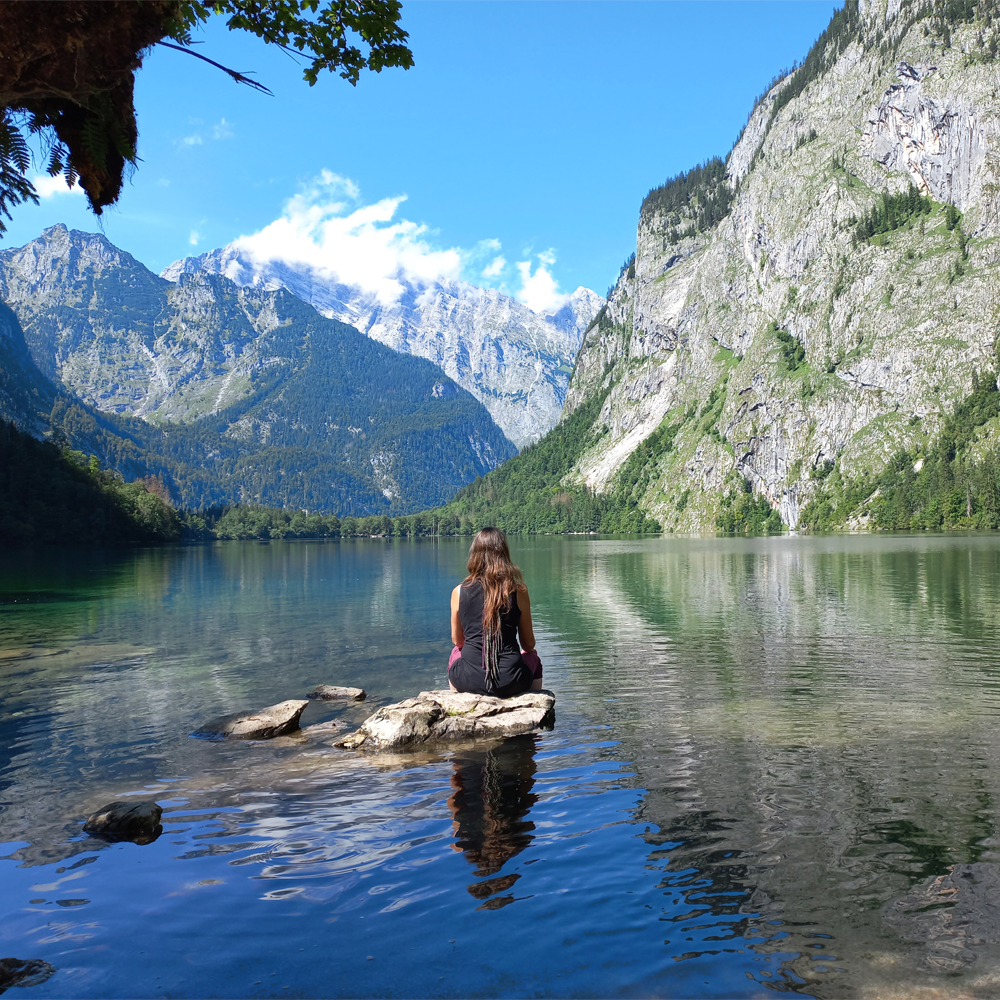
820,302
244,395
516,362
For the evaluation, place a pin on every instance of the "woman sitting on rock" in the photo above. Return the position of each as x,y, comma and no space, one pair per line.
489,610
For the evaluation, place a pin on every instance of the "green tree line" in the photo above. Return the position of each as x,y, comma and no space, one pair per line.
58,495
528,495
894,211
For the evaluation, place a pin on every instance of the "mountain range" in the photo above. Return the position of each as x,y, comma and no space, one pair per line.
516,362
232,394
807,334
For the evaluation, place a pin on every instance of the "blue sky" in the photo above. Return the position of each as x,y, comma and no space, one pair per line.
515,153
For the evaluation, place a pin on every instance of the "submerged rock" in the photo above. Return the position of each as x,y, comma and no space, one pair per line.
276,720
951,916
329,692
135,821
23,972
446,715
321,729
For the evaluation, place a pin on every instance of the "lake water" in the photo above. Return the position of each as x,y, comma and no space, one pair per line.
774,767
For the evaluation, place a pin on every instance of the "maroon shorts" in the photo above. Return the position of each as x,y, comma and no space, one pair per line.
530,657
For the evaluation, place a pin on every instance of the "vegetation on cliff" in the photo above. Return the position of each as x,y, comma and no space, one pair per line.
742,513
527,495
893,211
696,200
948,485
692,202
838,34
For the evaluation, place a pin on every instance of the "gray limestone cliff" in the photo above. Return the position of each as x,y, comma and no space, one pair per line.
763,324
516,362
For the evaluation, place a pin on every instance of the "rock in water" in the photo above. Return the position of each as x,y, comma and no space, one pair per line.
328,692
445,715
23,972
953,916
273,721
135,821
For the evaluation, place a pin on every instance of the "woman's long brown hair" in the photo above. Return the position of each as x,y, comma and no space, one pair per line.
490,566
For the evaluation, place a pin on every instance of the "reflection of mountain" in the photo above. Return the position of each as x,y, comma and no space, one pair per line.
812,722
491,798
516,362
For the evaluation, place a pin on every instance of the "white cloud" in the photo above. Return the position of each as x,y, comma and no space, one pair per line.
540,291
327,229
49,187
221,130
194,237
495,268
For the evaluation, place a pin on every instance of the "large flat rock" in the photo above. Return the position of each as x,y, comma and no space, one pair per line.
445,715
275,720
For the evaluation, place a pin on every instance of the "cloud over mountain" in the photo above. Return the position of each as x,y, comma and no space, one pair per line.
326,228
361,264
330,230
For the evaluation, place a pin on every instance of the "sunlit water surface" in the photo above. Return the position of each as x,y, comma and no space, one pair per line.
774,768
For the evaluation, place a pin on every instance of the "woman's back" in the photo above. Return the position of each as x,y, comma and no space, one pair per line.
487,620
471,671
470,613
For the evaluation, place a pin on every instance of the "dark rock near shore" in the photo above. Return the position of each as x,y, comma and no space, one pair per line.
329,692
446,715
23,972
138,822
276,720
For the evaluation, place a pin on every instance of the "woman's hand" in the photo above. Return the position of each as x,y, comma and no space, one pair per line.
457,632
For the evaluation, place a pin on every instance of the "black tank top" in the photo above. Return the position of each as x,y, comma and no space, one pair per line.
470,614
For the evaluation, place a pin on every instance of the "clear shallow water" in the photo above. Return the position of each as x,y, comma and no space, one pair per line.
774,767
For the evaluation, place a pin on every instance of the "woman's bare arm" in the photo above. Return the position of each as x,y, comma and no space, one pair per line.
524,627
457,632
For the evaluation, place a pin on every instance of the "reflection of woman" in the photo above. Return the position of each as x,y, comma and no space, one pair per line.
491,798
489,610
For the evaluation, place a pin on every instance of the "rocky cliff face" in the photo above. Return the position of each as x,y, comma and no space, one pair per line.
127,341
515,362
26,396
789,335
